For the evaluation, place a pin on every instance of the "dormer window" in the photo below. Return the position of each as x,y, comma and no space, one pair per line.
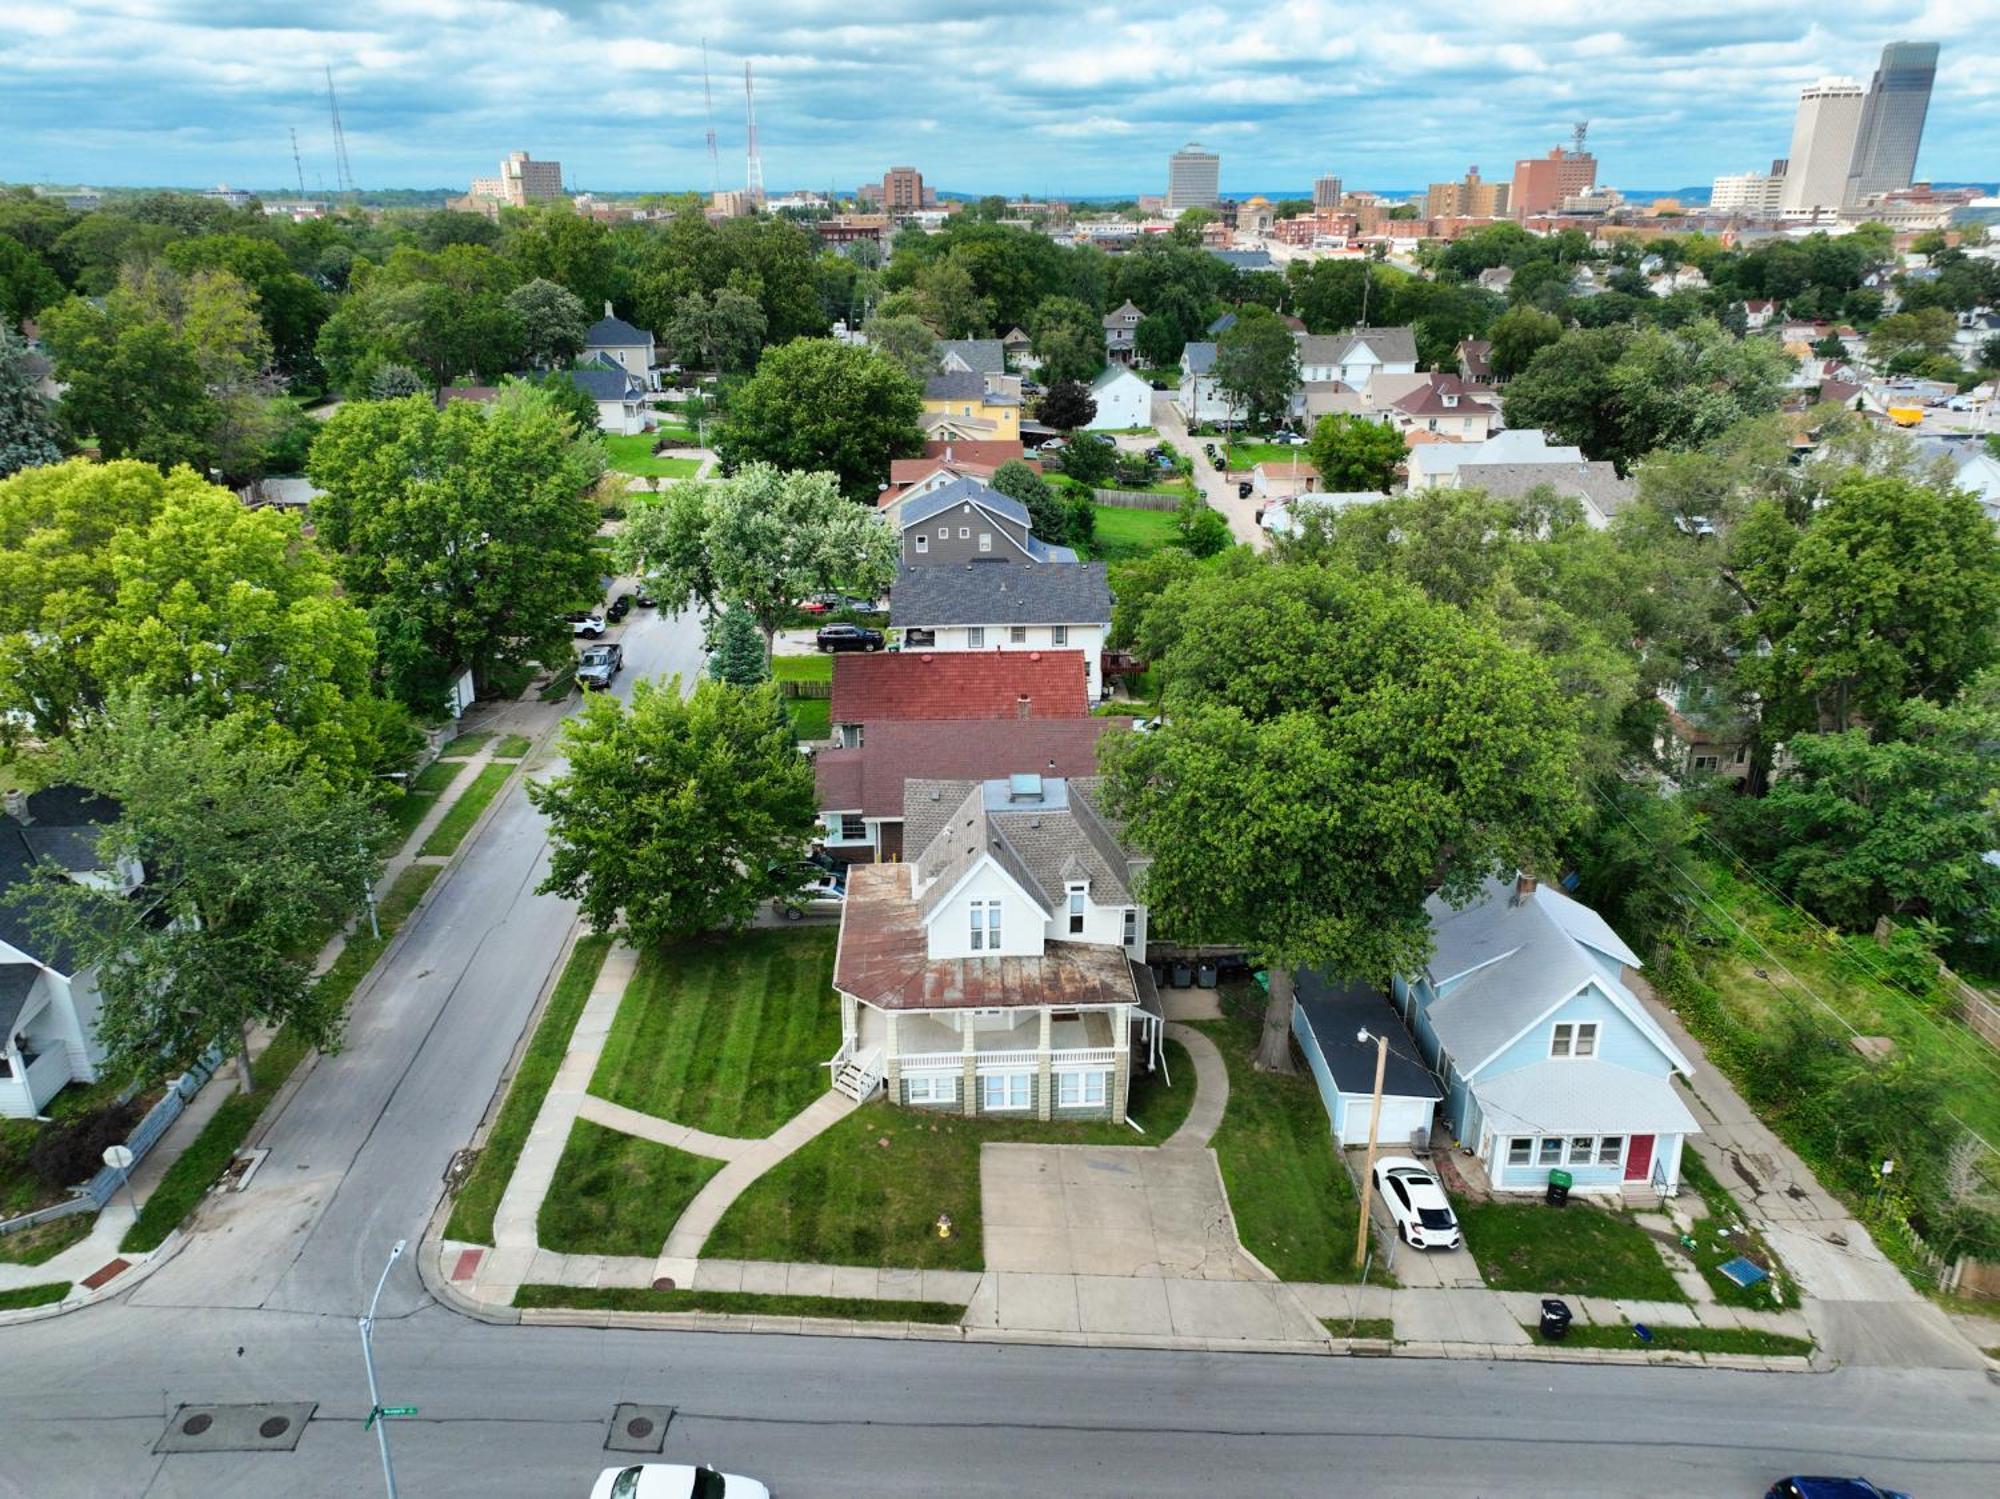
1077,895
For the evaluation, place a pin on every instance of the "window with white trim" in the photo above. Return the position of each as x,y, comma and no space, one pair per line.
975,637
965,533
1610,1149
985,541
852,827
1707,762
1521,1150
1581,1149
986,926
931,1087
944,533
1574,1038
1082,1090
1550,1151
1076,899
923,542
1058,634
1017,634
1131,926
1001,1091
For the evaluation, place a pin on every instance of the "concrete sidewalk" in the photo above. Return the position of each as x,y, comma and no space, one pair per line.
698,1219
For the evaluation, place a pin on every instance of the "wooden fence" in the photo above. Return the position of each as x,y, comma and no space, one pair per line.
1136,499
787,687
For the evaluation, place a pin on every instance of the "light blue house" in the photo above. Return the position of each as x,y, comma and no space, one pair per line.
1547,1059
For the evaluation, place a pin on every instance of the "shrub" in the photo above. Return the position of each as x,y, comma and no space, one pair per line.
70,1153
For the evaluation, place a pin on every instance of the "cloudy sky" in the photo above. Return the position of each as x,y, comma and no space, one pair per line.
1030,96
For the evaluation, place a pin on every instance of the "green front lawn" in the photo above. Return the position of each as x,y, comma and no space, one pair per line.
479,1198
43,1242
1122,533
812,718
728,1035
634,455
1249,454
814,668
1294,1206
418,798
1579,1250
614,1193
1681,1339
1712,1249
463,746
737,1303
869,1190
463,813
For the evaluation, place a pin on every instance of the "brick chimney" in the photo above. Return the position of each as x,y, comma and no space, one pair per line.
16,806
1024,706
1524,886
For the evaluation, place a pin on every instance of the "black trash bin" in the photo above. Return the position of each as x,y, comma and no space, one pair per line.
1204,976
1559,1182
1555,1320
1183,975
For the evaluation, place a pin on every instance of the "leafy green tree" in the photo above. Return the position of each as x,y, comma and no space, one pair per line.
250,859
1088,461
1354,454
762,539
1890,591
27,419
1203,530
551,321
136,388
1518,334
1927,331
1158,342
1858,827
465,533
722,331
288,304
560,245
1068,339
736,650
27,285
907,341
1257,366
1048,515
561,392
391,382
817,404
675,818
948,299
1067,405
1335,750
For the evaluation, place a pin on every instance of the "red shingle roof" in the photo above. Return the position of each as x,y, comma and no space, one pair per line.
959,685
871,779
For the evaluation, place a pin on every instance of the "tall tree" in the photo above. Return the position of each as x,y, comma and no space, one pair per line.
1257,366
761,539
467,534
719,332
1518,335
249,860
1336,749
736,649
1067,405
817,404
1068,339
136,388
1048,516
1354,454
907,341
551,322
27,419
560,245
675,818
1158,341
27,284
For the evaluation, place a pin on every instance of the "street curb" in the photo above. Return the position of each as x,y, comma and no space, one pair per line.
128,1280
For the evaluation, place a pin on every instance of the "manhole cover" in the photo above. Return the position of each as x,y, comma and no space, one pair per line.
664,1283
272,1426
638,1428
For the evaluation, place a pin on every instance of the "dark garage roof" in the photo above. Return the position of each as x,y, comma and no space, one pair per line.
1336,1010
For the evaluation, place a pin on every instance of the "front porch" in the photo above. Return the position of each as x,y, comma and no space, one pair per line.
34,1053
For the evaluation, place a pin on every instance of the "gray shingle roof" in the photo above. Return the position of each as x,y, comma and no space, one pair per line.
1198,357
987,356
615,333
1390,345
62,831
1336,1010
1246,260
1043,846
17,980
604,381
956,385
961,491
1595,482
1000,593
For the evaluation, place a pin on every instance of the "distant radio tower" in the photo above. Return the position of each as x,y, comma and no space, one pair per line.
343,174
1579,130
708,99
297,165
754,187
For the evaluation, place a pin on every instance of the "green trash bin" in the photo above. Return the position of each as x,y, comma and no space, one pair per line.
1559,1185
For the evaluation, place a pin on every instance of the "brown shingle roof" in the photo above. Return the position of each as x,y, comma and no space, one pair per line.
871,779
959,685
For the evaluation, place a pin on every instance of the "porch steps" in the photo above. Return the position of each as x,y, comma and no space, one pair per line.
857,1082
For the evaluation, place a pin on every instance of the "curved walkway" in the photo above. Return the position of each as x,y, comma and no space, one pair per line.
1211,1091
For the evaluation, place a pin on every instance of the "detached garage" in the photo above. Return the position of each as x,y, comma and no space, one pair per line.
1326,1020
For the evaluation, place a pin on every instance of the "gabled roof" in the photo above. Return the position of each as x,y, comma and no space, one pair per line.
1198,358
958,684
1440,395
955,385
984,356
1120,315
61,832
1512,959
1336,1010
1388,345
610,332
1222,325
1000,593
604,380
1113,374
1043,844
963,491
1595,483
871,778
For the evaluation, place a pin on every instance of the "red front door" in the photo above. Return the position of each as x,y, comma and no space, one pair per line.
1639,1158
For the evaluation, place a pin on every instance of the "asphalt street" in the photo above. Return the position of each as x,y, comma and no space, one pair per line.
260,1307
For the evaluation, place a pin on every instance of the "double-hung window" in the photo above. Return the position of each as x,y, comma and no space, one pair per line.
1609,1148
1574,1038
1520,1150
1581,1149
853,829
1131,925
923,542
975,637
1081,1090
1004,1090
1076,899
1551,1151
986,926
931,1087
1058,634
1017,634
985,541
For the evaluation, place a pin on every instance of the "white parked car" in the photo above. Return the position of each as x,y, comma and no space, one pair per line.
674,1481
1417,1203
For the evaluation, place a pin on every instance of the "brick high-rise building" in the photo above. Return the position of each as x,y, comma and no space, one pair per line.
522,181
1542,182
1326,194
1469,199
902,190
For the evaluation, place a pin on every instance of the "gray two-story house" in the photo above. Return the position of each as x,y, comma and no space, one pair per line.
967,521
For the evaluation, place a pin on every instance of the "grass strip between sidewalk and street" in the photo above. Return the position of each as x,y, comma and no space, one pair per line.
1382,1329
417,799
615,1193
23,1297
188,1179
513,747
1578,1250
479,1197
738,1303
1748,1340
464,745
463,813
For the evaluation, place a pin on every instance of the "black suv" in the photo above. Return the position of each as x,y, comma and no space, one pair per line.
848,638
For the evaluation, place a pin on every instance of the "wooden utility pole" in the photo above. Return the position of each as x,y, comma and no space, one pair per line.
1374,1123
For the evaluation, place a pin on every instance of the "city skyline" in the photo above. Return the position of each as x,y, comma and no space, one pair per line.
107,92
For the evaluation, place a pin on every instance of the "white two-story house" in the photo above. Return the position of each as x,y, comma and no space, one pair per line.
48,1004
1006,606
1548,1061
1000,970
1357,357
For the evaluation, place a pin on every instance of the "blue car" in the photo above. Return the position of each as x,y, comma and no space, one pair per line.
1829,1488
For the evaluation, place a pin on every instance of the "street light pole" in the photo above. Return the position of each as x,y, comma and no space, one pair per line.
368,1357
1374,1124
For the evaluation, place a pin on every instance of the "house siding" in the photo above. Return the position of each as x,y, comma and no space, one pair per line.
1008,538
1087,638
1619,1042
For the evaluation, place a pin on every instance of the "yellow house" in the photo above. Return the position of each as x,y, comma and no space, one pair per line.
958,405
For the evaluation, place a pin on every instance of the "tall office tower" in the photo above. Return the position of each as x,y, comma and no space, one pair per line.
1823,139
522,181
1542,182
1194,179
1471,198
1326,194
902,190
1892,120
1755,195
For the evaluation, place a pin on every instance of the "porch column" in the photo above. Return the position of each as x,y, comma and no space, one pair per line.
1121,1071
892,1059
969,1065
1044,1068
